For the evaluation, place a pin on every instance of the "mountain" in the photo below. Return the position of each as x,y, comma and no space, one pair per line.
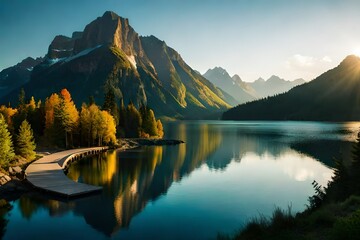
109,54
240,90
249,91
274,85
15,76
333,96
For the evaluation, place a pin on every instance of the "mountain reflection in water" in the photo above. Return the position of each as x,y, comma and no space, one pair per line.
237,166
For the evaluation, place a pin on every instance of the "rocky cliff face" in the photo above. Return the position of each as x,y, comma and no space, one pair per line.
110,29
61,47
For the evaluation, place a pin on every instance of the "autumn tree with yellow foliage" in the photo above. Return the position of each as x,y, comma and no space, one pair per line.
97,126
68,116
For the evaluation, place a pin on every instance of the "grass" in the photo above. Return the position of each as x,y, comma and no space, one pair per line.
335,221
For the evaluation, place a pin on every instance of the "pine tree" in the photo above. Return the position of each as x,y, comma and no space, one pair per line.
122,118
21,99
148,121
25,144
133,121
110,104
91,100
6,145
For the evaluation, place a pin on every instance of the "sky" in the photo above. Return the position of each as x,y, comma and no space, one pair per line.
252,38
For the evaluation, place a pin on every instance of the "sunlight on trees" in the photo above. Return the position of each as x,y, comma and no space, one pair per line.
25,144
6,145
51,103
58,123
68,115
97,126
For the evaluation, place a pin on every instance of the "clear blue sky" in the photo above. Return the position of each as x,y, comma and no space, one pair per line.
252,38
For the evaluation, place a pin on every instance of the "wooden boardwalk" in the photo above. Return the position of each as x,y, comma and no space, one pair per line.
47,173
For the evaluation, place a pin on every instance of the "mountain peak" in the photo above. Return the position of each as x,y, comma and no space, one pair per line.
237,78
351,60
219,70
111,15
275,78
110,29
260,79
29,62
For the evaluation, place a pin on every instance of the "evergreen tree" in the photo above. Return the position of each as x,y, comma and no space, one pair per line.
122,119
91,100
110,104
22,112
25,144
6,145
21,99
149,125
133,121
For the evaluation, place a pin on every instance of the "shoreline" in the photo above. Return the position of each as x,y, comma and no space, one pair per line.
18,184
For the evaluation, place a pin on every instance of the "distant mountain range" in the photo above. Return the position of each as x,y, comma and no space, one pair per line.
241,91
13,77
249,91
333,96
109,54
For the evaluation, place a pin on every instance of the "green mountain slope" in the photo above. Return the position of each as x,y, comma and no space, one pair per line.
333,96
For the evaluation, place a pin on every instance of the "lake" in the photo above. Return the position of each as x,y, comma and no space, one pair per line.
224,175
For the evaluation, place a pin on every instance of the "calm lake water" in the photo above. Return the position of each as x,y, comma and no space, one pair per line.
225,174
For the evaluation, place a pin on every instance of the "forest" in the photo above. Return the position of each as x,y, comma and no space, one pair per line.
58,123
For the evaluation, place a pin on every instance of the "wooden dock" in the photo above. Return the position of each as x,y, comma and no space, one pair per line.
47,173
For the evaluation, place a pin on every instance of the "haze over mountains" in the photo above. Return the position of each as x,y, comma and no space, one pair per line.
248,91
109,54
333,96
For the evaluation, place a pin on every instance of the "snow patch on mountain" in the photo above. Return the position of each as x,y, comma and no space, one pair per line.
82,53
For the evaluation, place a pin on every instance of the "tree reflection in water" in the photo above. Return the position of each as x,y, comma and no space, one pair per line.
132,178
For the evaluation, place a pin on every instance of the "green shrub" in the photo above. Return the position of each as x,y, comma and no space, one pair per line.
347,227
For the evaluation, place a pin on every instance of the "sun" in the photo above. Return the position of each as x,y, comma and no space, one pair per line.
357,51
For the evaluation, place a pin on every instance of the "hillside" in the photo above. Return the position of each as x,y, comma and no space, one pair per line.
333,96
